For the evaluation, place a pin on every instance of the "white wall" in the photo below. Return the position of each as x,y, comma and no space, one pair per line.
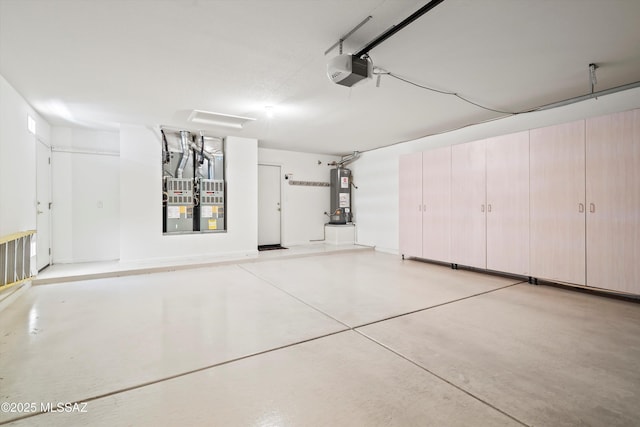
141,235
18,161
303,207
376,172
86,195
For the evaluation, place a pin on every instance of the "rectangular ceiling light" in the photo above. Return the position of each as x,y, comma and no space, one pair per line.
217,119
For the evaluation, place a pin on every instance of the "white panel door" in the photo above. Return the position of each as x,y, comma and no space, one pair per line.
557,202
410,205
43,194
96,207
269,208
508,203
436,203
468,204
613,197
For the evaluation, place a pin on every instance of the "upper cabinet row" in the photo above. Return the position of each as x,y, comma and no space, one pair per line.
560,203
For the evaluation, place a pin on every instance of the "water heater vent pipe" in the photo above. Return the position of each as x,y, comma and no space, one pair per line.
345,159
348,159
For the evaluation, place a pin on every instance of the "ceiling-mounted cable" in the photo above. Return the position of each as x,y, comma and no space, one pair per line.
551,106
380,72
457,95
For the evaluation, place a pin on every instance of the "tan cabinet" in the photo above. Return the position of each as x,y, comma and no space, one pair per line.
490,203
560,203
557,202
468,204
410,205
436,204
507,159
425,204
613,201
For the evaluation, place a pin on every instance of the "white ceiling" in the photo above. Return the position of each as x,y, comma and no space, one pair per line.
101,63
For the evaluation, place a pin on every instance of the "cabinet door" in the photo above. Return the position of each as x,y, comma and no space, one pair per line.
468,205
410,206
613,197
508,203
557,202
436,203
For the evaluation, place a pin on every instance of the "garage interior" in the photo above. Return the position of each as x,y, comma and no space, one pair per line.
451,189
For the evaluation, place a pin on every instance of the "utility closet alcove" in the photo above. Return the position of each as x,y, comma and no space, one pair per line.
193,182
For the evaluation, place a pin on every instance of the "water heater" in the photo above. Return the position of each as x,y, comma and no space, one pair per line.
340,196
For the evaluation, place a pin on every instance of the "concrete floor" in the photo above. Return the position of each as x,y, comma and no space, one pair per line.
353,338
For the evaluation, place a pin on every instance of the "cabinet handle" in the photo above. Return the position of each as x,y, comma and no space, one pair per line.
482,208
581,207
592,207
489,207
420,208
424,208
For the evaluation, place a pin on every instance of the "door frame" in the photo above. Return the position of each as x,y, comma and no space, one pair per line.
39,171
280,182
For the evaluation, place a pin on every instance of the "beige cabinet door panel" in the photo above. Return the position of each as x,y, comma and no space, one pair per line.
613,197
508,203
436,203
557,202
410,205
468,205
